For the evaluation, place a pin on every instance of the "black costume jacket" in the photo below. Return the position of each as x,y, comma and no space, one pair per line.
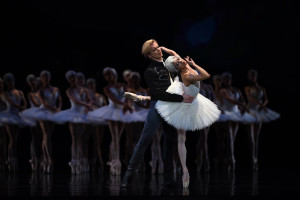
158,80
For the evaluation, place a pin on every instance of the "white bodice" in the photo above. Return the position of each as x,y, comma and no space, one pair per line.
118,93
257,94
36,97
50,98
192,89
230,106
75,107
9,107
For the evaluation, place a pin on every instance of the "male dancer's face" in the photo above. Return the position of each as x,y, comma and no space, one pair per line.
155,52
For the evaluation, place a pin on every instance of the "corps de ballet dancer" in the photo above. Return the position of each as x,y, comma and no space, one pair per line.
257,100
184,117
133,130
142,107
235,109
15,103
202,158
51,102
76,118
81,83
36,133
220,125
130,128
117,113
97,128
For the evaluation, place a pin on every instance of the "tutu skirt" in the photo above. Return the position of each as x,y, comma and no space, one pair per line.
237,116
264,116
69,116
113,113
197,115
13,119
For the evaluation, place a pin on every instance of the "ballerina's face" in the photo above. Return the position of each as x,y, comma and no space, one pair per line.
109,76
179,63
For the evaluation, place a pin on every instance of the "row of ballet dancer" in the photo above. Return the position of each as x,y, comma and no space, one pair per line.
90,111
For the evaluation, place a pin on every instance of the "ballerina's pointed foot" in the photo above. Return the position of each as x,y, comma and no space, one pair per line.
160,168
185,179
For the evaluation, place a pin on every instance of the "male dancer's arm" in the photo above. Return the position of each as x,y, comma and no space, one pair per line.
154,84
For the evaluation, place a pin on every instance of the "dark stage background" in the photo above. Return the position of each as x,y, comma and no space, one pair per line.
220,36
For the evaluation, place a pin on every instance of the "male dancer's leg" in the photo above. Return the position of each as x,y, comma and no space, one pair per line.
169,143
153,122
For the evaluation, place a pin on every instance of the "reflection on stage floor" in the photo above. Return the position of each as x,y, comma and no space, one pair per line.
242,183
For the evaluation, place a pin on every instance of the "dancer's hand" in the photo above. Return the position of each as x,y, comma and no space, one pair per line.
126,107
190,61
132,96
187,98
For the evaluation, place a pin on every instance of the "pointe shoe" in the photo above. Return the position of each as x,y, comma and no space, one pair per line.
72,165
254,165
160,168
118,167
112,169
33,165
153,167
185,179
231,166
8,165
78,167
50,168
43,166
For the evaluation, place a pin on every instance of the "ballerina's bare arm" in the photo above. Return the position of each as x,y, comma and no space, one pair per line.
169,51
196,77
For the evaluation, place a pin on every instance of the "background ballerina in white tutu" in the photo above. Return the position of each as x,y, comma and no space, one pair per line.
76,118
36,133
257,100
184,117
51,102
117,113
97,129
10,118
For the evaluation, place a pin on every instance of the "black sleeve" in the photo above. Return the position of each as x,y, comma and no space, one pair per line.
154,84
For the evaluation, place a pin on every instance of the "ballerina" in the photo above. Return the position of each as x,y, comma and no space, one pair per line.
234,107
51,103
15,103
184,117
257,100
76,118
36,132
97,128
117,113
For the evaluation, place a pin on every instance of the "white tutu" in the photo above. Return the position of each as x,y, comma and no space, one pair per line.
197,115
113,112
27,114
12,115
42,114
13,119
264,116
237,116
143,112
70,116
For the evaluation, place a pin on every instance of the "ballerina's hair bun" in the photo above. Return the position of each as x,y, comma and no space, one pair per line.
169,64
69,74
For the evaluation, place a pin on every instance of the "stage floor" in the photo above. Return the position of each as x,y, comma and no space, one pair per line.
266,183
